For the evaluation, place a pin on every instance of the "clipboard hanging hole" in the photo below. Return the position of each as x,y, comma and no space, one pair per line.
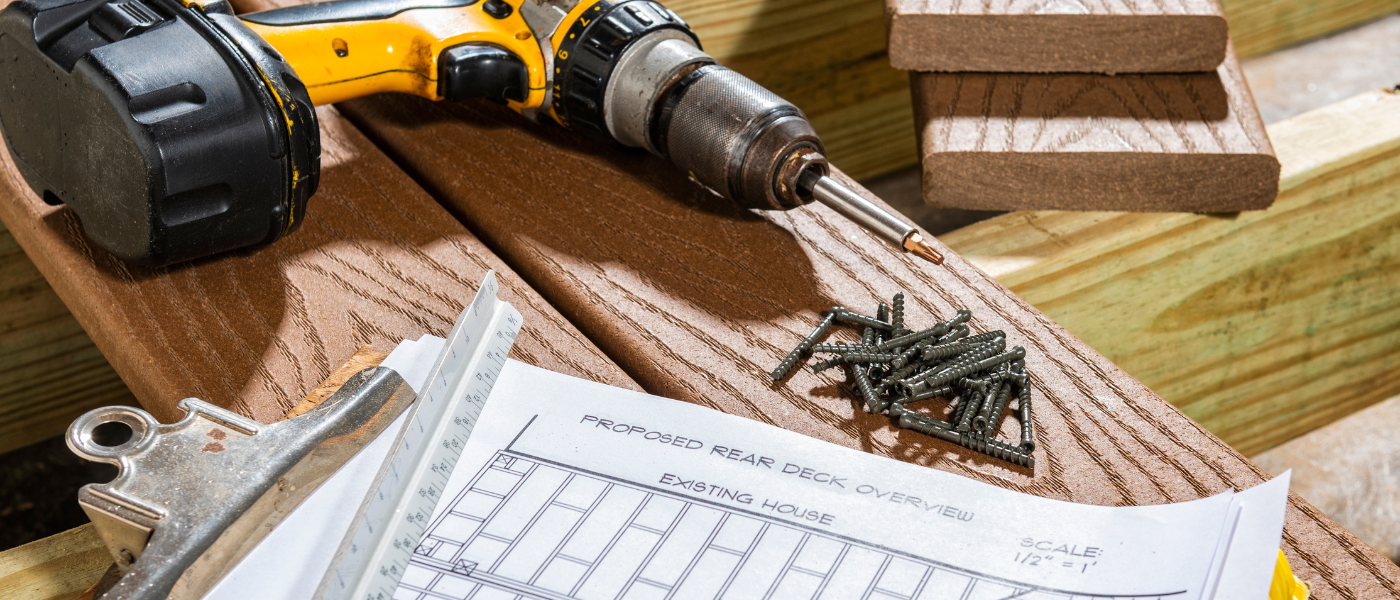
108,433
112,434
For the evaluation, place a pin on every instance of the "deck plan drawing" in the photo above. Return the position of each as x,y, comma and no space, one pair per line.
528,528
570,489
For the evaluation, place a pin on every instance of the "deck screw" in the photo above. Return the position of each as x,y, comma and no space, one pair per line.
897,315
894,366
791,360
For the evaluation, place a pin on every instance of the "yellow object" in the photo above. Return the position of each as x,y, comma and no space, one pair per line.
342,60
1286,586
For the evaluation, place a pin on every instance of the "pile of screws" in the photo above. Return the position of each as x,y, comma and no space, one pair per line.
894,366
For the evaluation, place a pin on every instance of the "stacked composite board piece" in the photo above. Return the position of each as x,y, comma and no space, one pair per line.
1132,105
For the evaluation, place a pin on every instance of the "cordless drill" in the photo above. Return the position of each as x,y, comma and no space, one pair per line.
176,130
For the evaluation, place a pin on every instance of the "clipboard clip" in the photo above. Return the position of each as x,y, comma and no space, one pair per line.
193,497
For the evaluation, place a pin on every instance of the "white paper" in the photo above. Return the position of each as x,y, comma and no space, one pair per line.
573,489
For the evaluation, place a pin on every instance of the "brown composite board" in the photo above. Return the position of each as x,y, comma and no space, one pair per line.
1147,143
376,261
1050,36
698,300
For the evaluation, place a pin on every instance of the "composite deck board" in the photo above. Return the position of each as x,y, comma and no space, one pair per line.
1054,36
1261,325
694,298
254,331
1155,142
697,300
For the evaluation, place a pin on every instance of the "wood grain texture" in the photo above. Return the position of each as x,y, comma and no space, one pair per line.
1263,325
698,299
1261,26
1165,142
829,57
58,567
364,358
802,49
50,371
1056,36
376,262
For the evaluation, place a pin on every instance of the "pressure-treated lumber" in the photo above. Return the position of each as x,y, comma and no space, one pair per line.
377,262
58,567
805,50
697,299
1259,26
1260,325
50,372
1056,36
1162,142
828,57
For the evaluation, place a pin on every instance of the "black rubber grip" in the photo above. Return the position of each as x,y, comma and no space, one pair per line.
337,11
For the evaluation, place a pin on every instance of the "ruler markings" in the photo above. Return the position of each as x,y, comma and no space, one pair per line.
387,528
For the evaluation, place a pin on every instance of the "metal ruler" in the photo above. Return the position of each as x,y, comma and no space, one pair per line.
381,539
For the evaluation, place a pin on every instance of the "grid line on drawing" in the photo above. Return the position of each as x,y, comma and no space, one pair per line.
743,559
526,528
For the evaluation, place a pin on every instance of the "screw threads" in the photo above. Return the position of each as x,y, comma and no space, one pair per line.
897,315
946,390
1023,408
990,447
893,366
912,338
967,412
843,348
867,357
790,361
995,415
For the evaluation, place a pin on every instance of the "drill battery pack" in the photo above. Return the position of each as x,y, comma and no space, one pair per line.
171,131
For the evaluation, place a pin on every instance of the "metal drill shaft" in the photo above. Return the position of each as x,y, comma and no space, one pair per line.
869,215
853,206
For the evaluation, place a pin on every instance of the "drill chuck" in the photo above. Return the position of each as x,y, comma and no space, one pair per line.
727,132
734,136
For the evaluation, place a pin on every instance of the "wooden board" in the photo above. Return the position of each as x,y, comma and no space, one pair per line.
1165,142
1292,81
802,49
698,300
58,567
253,331
830,59
50,371
1262,325
1056,36
1261,26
